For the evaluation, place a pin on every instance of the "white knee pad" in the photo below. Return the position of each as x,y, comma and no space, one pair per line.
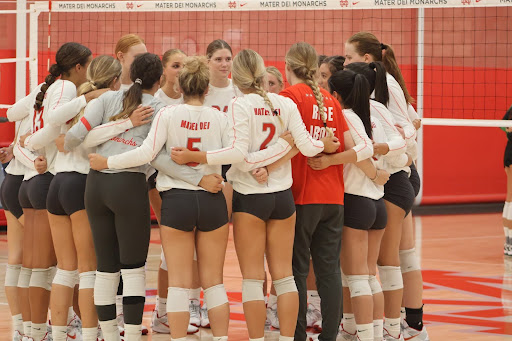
163,265
359,285
285,285
409,261
252,290
215,296
134,282
51,274
177,300
505,209
66,278
344,281
12,275
87,280
374,285
39,279
391,278
105,288
509,211
24,279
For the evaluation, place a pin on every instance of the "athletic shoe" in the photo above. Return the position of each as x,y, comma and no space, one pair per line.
16,336
47,337
507,250
313,337
160,324
317,326
75,328
412,334
272,316
346,335
100,334
120,323
205,321
388,337
195,313
25,338
312,315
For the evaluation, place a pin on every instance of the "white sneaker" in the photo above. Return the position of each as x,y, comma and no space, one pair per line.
313,337
317,326
272,316
195,313
160,324
120,323
388,337
412,334
507,249
16,336
312,315
346,335
100,334
75,328
205,321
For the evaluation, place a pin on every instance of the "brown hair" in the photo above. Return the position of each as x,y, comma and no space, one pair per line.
367,43
216,45
334,63
195,77
127,41
167,56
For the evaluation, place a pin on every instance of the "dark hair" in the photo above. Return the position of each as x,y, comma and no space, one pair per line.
354,90
321,58
375,73
145,71
216,45
367,43
334,63
67,57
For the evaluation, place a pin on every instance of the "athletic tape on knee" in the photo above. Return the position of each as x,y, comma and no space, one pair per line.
215,296
505,209
39,279
285,285
66,278
252,290
105,288
374,285
134,282
24,279
177,300
163,264
12,275
359,285
409,261
391,278
87,280
344,281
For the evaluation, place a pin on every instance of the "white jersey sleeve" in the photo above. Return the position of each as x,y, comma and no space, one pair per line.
65,105
165,165
397,105
105,132
364,146
266,156
42,137
395,142
93,117
413,115
23,107
25,156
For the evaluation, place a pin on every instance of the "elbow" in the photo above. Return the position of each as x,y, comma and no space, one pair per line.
365,153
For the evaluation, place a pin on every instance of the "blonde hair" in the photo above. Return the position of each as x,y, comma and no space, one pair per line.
101,72
303,61
194,78
248,72
276,73
127,41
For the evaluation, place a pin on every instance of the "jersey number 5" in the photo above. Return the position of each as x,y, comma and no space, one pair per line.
272,128
190,146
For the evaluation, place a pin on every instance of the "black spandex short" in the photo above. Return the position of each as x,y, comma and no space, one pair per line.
185,209
414,178
278,205
9,194
152,181
33,192
225,169
66,194
363,213
399,191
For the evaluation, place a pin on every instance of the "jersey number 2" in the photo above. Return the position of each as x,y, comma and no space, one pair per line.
190,146
272,128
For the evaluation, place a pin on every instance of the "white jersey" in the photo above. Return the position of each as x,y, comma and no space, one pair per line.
125,87
160,94
265,146
219,98
195,127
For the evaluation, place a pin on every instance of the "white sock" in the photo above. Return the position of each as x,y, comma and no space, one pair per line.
258,339
365,332
27,328
402,314
71,314
119,304
161,306
89,334
132,332
194,294
272,300
285,338
349,323
17,323
220,338
314,298
39,331
110,330
378,329
266,300
392,326
60,333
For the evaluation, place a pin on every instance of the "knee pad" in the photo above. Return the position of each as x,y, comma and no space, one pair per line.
359,285
215,296
39,279
252,290
134,282
285,285
12,275
374,285
51,275
163,265
409,261
177,300
87,280
391,278
505,210
344,281
66,278
24,279
105,288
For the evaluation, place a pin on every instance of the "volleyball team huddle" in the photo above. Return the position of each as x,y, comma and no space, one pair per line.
319,175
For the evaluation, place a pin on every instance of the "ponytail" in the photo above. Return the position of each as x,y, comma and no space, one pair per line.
391,65
381,83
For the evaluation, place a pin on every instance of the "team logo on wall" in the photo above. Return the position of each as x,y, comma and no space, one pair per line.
466,2
129,5
344,3
232,4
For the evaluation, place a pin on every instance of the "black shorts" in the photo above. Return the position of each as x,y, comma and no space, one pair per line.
363,213
152,181
33,192
9,194
225,169
399,191
414,178
66,194
278,205
185,209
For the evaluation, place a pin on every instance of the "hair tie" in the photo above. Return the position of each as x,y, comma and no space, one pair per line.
383,46
138,81
372,65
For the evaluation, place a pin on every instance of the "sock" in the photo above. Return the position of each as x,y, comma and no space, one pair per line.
220,338
161,306
195,294
285,338
89,334
272,300
402,313
27,328
258,339
39,331
349,323
119,304
110,330
414,318
132,332
378,330
60,333
71,314
392,326
365,332
314,298
17,323
266,301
